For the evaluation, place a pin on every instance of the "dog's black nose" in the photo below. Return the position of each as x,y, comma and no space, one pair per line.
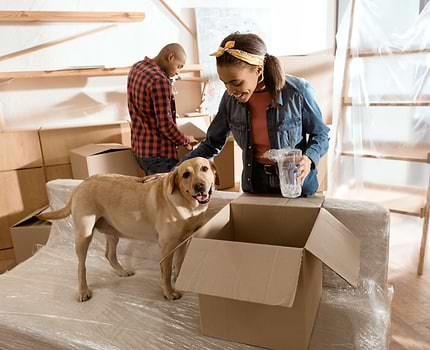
199,187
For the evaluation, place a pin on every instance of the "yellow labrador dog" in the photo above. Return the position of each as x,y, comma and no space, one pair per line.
171,206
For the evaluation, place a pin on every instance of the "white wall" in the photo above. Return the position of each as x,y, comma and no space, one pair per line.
30,103
297,28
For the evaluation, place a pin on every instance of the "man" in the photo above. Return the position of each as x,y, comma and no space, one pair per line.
151,104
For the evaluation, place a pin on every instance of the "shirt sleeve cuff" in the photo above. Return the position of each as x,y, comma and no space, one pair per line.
313,156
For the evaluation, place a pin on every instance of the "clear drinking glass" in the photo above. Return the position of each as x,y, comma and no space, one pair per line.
291,187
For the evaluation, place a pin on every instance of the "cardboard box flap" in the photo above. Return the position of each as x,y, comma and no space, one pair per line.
190,129
255,273
92,148
336,246
29,216
311,202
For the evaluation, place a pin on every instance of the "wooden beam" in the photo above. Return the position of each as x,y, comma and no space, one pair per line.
426,215
66,16
88,72
347,101
384,156
418,152
168,8
387,53
193,79
55,42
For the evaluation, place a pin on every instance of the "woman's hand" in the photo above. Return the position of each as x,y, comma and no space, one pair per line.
303,168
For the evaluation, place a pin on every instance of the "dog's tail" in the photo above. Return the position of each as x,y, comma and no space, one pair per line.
58,214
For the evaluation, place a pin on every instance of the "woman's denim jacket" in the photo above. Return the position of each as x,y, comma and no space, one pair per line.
295,121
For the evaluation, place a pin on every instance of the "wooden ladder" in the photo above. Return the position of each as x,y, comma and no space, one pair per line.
419,203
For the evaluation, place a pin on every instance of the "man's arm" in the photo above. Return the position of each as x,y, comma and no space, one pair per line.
161,94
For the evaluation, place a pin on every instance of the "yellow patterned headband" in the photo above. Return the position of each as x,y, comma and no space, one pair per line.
255,60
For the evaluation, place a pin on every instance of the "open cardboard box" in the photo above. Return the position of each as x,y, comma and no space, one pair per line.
224,161
102,158
257,267
27,234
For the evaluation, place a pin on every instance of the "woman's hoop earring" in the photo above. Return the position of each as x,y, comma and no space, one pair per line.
262,78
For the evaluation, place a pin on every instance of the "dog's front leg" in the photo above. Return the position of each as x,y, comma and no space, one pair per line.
166,248
178,259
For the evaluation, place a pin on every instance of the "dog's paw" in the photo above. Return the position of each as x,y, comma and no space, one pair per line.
84,295
173,295
126,273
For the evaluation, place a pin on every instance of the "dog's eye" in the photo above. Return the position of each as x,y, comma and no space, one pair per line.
205,168
186,174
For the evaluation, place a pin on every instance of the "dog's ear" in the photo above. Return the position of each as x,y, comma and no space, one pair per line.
215,171
172,181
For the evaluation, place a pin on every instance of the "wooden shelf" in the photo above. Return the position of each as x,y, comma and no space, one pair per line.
195,79
399,103
66,16
373,53
391,151
90,72
402,200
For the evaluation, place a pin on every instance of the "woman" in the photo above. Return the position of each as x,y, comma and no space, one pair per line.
264,109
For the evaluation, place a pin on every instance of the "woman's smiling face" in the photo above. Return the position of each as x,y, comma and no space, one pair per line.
240,80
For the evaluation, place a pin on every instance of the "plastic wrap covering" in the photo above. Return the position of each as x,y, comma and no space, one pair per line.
39,307
381,105
365,310
371,223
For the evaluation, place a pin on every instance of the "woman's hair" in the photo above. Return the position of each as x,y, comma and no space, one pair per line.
273,73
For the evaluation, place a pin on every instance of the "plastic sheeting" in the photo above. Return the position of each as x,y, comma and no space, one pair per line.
382,74
39,308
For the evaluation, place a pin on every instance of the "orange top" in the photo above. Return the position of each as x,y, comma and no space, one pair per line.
257,106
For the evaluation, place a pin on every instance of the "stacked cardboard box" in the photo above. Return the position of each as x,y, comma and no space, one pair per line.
30,158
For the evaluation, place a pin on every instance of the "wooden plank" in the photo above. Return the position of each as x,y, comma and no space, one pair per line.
89,72
373,53
390,150
423,247
19,149
21,192
54,42
70,16
194,79
345,83
347,101
168,8
57,142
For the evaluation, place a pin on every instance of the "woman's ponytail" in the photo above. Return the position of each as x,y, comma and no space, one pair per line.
274,77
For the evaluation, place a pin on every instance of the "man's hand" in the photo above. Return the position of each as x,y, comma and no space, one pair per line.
193,141
303,168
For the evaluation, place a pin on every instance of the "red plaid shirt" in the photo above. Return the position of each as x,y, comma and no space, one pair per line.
152,109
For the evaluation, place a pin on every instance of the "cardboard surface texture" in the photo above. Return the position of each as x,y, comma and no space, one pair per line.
107,158
27,234
257,267
224,161
57,142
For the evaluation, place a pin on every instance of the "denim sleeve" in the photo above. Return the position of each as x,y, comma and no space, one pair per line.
314,126
216,136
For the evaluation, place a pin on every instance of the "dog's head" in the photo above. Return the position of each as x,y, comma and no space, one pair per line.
195,178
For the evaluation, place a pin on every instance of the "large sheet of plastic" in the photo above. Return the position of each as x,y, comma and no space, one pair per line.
381,135
39,308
